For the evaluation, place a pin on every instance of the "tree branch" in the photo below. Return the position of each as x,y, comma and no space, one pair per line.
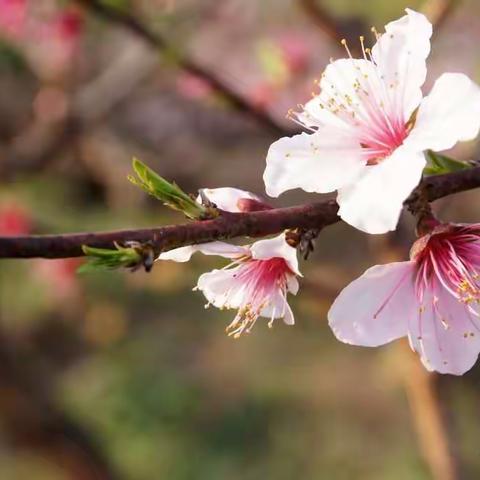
335,28
229,225
156,41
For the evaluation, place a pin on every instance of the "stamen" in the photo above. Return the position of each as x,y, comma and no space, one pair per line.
345,45
364,50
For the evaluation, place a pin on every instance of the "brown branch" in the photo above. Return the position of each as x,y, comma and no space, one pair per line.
335,28
438,11
155,40
229,225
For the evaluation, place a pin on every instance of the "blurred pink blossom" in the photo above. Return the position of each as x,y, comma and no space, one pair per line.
296,52
12,18
59,276
193,87
48,38
14,220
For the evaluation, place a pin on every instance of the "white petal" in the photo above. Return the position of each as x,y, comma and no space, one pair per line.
279,308
276,247
226,198
288,318
374,308
374,202
446,336
222,289
182,254
319,162
339,95
449,114
400,54
222,249
292,284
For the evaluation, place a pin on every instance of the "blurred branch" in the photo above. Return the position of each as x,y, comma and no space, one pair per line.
335,28
427,415
438,11
322,18
155,40
421,386
40,144
228,225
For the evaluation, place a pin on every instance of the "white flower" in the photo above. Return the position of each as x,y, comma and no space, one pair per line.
370,125
257,280
255,283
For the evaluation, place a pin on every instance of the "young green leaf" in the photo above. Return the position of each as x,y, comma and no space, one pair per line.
169,193
109,259
441,164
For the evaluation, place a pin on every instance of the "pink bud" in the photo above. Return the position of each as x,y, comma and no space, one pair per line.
251,205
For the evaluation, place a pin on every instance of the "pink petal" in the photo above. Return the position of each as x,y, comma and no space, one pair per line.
374,309
446,334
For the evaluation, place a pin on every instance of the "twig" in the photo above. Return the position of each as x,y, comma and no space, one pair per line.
335,28
438,11
421,387
229,225
155,40
427,415
322,18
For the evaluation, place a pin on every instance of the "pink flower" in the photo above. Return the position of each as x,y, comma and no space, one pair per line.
12,18
433,299
257,280
53,42
369,126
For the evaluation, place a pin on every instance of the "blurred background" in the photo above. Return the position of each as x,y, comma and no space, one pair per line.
123,376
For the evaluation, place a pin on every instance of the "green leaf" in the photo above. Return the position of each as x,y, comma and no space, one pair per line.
272,61
441,164
100,259
169,193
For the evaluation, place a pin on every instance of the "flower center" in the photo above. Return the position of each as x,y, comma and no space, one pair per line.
452,258
356,95
259,282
